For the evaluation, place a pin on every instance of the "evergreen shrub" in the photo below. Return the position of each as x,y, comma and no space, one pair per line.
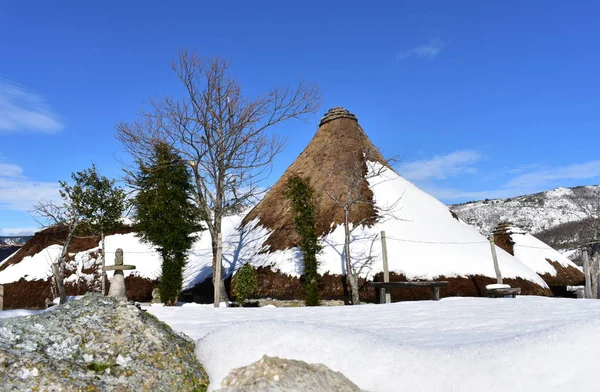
244,283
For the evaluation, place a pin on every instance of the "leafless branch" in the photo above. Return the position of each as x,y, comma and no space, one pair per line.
221,133
349,194
64,215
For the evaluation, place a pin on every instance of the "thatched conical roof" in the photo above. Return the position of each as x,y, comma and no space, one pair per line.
424,239
334,160
555,268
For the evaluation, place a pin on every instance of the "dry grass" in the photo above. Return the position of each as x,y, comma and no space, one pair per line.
276,285
503,240
329,160
565,276
25,294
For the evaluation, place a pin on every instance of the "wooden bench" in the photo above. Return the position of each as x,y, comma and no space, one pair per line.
384,286
501,292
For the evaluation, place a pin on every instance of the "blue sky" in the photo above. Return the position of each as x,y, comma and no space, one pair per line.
478,99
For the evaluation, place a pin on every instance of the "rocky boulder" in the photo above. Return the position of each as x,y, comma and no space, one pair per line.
272,374
96,343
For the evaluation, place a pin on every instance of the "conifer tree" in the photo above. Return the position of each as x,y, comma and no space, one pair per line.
90,203
165,215
99,203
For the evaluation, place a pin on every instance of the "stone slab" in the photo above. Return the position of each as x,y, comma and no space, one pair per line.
119,267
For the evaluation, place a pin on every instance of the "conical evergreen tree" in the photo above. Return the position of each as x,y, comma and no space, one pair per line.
165,215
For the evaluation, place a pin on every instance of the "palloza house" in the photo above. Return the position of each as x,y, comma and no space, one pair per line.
555,268
425,240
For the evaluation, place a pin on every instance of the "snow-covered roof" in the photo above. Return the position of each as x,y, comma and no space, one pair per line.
539,256
424,240
33,267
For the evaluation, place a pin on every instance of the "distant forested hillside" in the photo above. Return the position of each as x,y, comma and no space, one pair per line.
8,250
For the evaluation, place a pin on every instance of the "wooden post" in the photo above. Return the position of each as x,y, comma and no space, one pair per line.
588,276
1,297
435,293
217,279
386,271
103,284
598,282
382,295
495,258
594,270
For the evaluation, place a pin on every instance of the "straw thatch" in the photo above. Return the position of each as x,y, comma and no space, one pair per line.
333,160
277,285
506,236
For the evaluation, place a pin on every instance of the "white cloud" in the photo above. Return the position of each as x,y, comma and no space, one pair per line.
428,51
545,177
19,193
10,170
23,110
454,194
441,166
17,231
529,179
523,168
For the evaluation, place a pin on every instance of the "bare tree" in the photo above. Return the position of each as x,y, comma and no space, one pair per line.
354,180
223,136
62,217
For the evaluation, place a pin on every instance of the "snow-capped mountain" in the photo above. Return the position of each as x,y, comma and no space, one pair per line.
9,245
558,216
14,241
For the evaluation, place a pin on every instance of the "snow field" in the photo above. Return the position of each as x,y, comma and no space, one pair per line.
456,344
19,312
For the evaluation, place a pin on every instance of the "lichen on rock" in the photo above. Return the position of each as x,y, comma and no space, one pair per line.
96,344
272,374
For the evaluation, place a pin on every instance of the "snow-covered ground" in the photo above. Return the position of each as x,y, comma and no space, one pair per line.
20,312
456,344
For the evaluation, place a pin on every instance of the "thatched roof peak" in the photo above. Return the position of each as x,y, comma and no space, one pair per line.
508,228
335,113
335,160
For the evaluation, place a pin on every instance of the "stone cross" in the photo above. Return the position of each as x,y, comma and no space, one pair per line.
117,284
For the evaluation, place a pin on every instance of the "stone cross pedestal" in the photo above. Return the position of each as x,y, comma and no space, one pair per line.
117,284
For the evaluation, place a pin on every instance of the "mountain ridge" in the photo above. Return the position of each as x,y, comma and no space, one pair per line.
14,240
11,244
561,217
